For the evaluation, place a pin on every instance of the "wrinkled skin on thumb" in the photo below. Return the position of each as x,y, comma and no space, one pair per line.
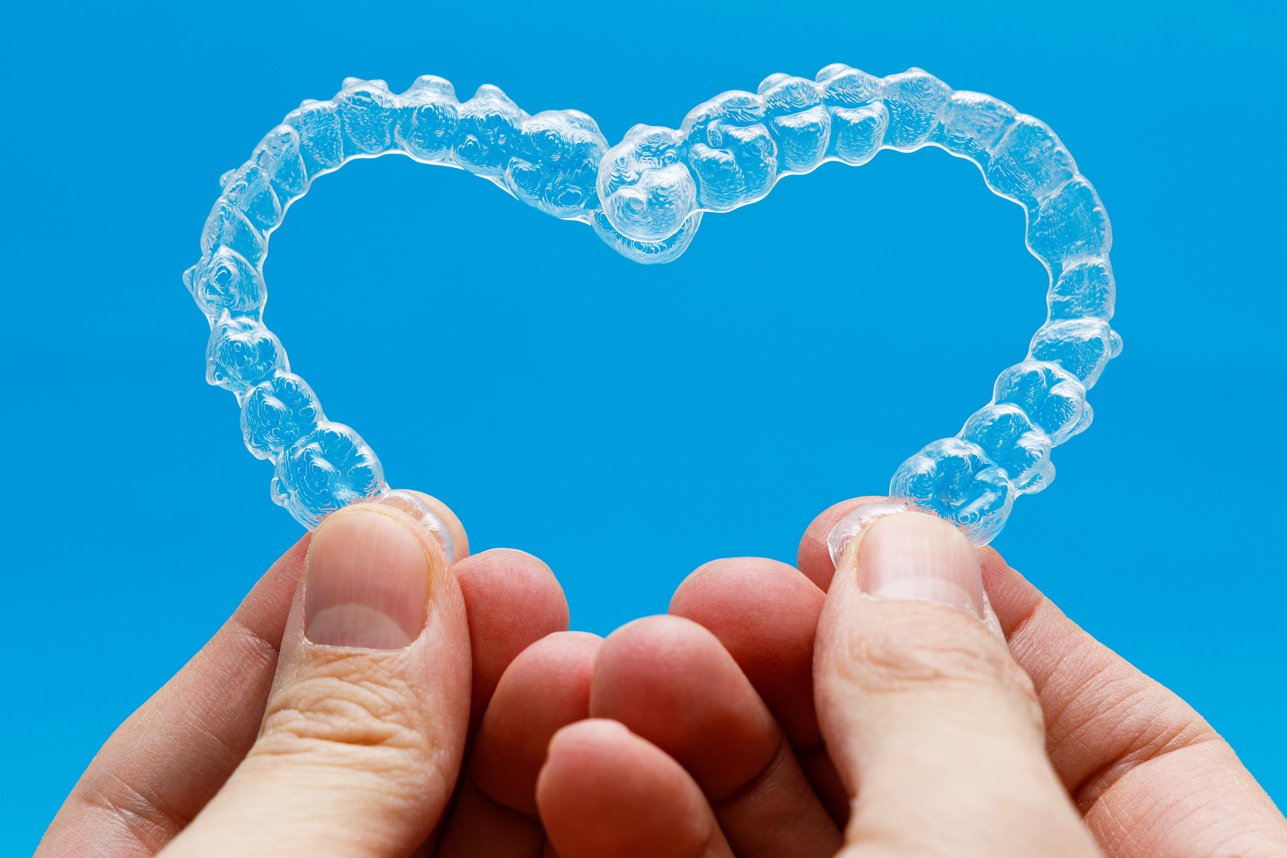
934,728
365,725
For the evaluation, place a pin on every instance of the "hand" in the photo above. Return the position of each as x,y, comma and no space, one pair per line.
332,718
928,736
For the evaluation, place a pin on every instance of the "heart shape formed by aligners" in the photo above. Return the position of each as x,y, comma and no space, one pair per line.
645,198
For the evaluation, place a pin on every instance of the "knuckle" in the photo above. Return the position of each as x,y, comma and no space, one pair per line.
915,652
132,808
349,702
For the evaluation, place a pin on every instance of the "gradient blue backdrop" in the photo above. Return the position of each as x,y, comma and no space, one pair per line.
627,423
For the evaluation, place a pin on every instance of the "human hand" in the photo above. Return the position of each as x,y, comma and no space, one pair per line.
928,736
332,718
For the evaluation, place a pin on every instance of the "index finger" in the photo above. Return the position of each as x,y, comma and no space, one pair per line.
1140,763
813,557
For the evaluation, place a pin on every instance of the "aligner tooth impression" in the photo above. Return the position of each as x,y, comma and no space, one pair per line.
645,198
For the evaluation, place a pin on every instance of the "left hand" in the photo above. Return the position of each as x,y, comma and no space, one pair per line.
332,714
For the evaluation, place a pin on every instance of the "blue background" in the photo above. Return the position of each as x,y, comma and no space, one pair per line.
627,423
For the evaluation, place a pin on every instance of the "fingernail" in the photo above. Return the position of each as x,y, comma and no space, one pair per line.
859,519
367,583
920,557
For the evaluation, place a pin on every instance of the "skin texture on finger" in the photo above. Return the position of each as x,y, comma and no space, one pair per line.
365,725
546,688
165,762
670,682
774,649
933,727
604,791
1151,777
512,600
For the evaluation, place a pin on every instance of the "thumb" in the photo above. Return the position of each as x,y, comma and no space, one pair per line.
364,727
933,727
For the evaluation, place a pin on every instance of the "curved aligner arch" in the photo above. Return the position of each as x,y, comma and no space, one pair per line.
645,198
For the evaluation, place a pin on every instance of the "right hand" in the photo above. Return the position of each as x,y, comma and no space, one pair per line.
928,735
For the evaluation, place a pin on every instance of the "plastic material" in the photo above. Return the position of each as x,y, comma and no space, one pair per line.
645,198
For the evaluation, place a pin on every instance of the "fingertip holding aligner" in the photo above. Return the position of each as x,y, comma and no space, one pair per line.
645,198
845,531
413,505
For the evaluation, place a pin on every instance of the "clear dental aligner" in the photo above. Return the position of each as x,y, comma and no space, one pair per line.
645,198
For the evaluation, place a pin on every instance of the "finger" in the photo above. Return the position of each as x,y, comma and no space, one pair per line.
546,688
773,648
671,682
1105,721
362,735
459,541
604,791
935,730
1149,774
165,762
728,598
813,556
168,759
512,600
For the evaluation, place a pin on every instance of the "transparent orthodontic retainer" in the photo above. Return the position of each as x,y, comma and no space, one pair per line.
645,198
